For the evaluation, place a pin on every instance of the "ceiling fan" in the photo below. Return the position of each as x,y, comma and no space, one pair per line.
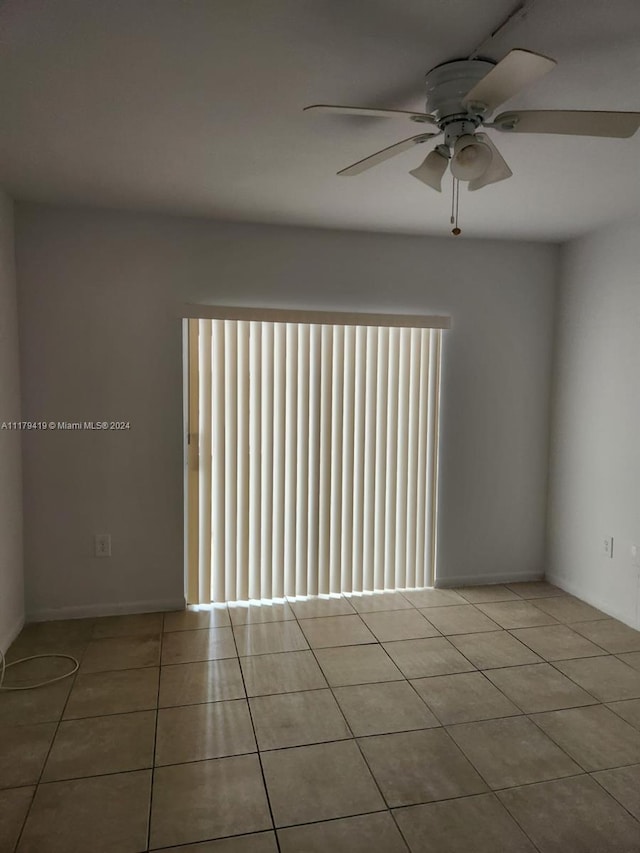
461,97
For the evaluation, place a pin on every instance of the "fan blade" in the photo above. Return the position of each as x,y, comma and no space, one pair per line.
517,70
572,122
431,170
373,112
386,153
497,170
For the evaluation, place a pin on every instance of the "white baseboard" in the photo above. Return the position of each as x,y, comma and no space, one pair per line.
7,637
84,611
487,578
594,601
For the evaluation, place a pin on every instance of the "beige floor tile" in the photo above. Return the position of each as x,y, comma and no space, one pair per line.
357,665
326,631
27,707
493,650
595,737
269,637
566,608
130,625
632,659
106,814
311,783
40,644
606,678
201,681
54,629
260,842
399,764
121,653
433,597
418,658
480,824
512,751
29,672
516,614
611,635
281,673
464,619
573,815
399,625
244,613
375,602
193,618
375,709
14,805
463,698
23,752
208,799
539,687
372,833
486,592
202,644
315,606
295,719
628,709
535,589
59,636
198,732
557,642
98,745
95,694
623,783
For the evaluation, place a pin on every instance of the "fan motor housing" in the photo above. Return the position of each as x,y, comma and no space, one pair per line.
448,84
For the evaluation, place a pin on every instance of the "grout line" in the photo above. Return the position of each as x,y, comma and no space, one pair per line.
181,846
573,680
491,790
309,689
355,739
580,775
564,625
612,795
517,822
555,742
528,716
404,678
255,737
55,734
480,774
26,816
155,737
582,772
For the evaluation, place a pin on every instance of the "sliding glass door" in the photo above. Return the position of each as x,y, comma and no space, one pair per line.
312,458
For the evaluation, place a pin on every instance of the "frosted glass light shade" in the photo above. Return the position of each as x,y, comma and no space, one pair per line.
497,169
471,158
431,170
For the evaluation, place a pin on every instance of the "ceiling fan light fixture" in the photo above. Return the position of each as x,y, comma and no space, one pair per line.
431,170
471,158
498,169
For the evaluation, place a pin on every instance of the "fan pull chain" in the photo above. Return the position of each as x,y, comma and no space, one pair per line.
455,207
453,199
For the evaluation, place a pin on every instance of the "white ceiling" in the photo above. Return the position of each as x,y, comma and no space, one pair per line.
195,107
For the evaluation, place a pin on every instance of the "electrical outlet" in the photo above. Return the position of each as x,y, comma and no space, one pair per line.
635,556
607,546
102,543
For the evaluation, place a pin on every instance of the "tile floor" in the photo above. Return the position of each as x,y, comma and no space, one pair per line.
486,719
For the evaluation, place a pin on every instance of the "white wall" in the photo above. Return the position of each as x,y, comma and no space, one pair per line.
11,579
99,296
595,456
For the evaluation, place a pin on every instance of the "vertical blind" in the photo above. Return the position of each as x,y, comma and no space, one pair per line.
312,458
